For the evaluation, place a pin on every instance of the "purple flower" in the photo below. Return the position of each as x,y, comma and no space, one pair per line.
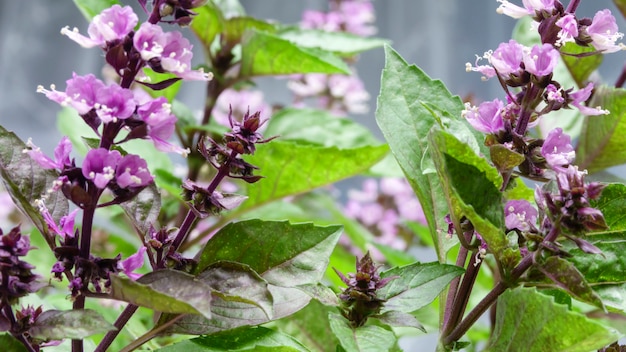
358,17
487,117
157,114
554,94
603,32
114,103
530,7
569,28
81,93
557,149
579,97
507,58
132,172
110,25
520,214
541,60
169,52
66,223
133,263
99,166
61,154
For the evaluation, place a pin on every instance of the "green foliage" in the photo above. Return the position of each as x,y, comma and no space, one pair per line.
362,339
90,8
529,321
340,43
71,324
581,66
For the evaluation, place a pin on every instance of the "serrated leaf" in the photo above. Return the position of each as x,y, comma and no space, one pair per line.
529,321
239,340
208,22
267,54
580,67
143,210
284,254
90,8
319,127
26,181
409,104
603,140
362,339
168,291
342,43
291,168
471,187
310,326
70,324
416,285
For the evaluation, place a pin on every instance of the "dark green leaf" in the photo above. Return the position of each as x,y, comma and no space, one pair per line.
239,340
207,24
603,140
310,326
471,186
291,168
71,324
236,282
409,104
416,285
90,8
143,210
565,275
26,181
284,254
342,43
396,318
11,344
362,339
529,321
319,127
267,54
580,67
168,291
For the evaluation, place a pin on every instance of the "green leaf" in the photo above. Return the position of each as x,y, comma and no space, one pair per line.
529,321
310,326
341,43
504,158
603,140
90,8
416,285
321,293
267,54
242,339
71,324
170,92
143,210
290,168
26,181
208,23
168,291
319,127
471,186
362,339
396,318
11,344
621,6
235,27
580,67
409,104
284,254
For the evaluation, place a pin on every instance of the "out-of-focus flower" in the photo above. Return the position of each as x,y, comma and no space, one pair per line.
530,7
132,263
16,279
236,103
604,32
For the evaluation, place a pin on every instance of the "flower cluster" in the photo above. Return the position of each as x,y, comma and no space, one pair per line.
340,94
360,300
16,276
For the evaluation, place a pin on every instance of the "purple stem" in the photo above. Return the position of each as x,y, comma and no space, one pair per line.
621,79
119,324
463,294
572,6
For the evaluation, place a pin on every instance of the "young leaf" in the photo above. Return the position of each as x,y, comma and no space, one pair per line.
362,339
90,8
70,324
235,27
290,168
208,23
311,327
284,254
603,140
341,43
240,340
168,291
319,127
263,53
529,321
416,285
409,104
26,181
143,210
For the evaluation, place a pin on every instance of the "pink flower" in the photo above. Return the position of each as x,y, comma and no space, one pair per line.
541,60
569,28
157,114
557,149
99,166
579,97
507,58
81,93
520,214
132,172
487,117
61,154
110,25
530,7
603,32
133,263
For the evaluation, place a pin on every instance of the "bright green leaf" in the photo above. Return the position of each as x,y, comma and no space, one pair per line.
291,168
168,291
267,54
580,67
235,27
26,181
529,321
207,24
70,324
603,140
90,8
310,326
362,339
342,43
416,286
240,340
